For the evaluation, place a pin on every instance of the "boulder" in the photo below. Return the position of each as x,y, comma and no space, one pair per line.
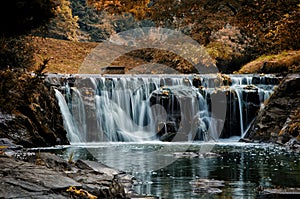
46,175
279,121
29,112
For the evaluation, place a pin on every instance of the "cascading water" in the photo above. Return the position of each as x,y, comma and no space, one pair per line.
162,107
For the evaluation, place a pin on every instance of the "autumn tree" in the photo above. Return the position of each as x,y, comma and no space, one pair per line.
64,25
235,31
138,8
17,19
273,25
198,19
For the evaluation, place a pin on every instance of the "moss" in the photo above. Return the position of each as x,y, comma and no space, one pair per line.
219,50
284,62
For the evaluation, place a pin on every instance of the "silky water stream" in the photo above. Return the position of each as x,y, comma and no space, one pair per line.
178,135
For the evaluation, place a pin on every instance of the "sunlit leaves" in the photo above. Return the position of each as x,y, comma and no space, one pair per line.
138,8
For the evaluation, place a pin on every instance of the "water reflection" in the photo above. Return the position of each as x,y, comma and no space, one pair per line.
245,169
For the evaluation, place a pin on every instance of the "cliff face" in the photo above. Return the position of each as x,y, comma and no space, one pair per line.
29,113
279,121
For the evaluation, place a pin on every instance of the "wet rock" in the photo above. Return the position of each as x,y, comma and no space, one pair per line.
197,82
293,144
207,186
49,176
167,131
144,197
9,145
266,80
22,179
188,154
246,99
279,121
286,192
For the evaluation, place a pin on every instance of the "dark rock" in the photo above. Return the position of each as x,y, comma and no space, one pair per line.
144,197
279,121
53,161
24,179
207,186
49,177
9,145
188,154
287,192
97,167
32,117
197,82
266,80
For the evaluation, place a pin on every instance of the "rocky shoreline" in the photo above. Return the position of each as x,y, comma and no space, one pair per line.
40,175
279,121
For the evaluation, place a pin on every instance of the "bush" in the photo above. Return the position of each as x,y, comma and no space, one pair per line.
229,47
16,52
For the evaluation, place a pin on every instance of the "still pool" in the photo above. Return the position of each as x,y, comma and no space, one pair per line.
197,170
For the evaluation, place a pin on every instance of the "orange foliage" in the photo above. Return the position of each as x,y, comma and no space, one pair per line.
137,8
271,25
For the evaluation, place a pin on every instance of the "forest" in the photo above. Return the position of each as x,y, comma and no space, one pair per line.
234,32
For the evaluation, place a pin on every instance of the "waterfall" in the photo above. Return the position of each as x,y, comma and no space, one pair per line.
240,101
159,107
72,131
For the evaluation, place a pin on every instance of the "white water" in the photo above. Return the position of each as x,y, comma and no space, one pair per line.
69,124
118,108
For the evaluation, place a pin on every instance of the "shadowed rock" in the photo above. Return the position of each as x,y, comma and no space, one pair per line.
49,176
279,121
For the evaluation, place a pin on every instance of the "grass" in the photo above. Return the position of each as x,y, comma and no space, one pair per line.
284,62
65,56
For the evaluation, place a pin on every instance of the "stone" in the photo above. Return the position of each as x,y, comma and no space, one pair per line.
53,161
289,191
9,144
210,186
188,154
49,176
97,167
30,115
279,120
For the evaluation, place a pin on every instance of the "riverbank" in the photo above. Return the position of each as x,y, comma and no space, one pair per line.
278,122
26,174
